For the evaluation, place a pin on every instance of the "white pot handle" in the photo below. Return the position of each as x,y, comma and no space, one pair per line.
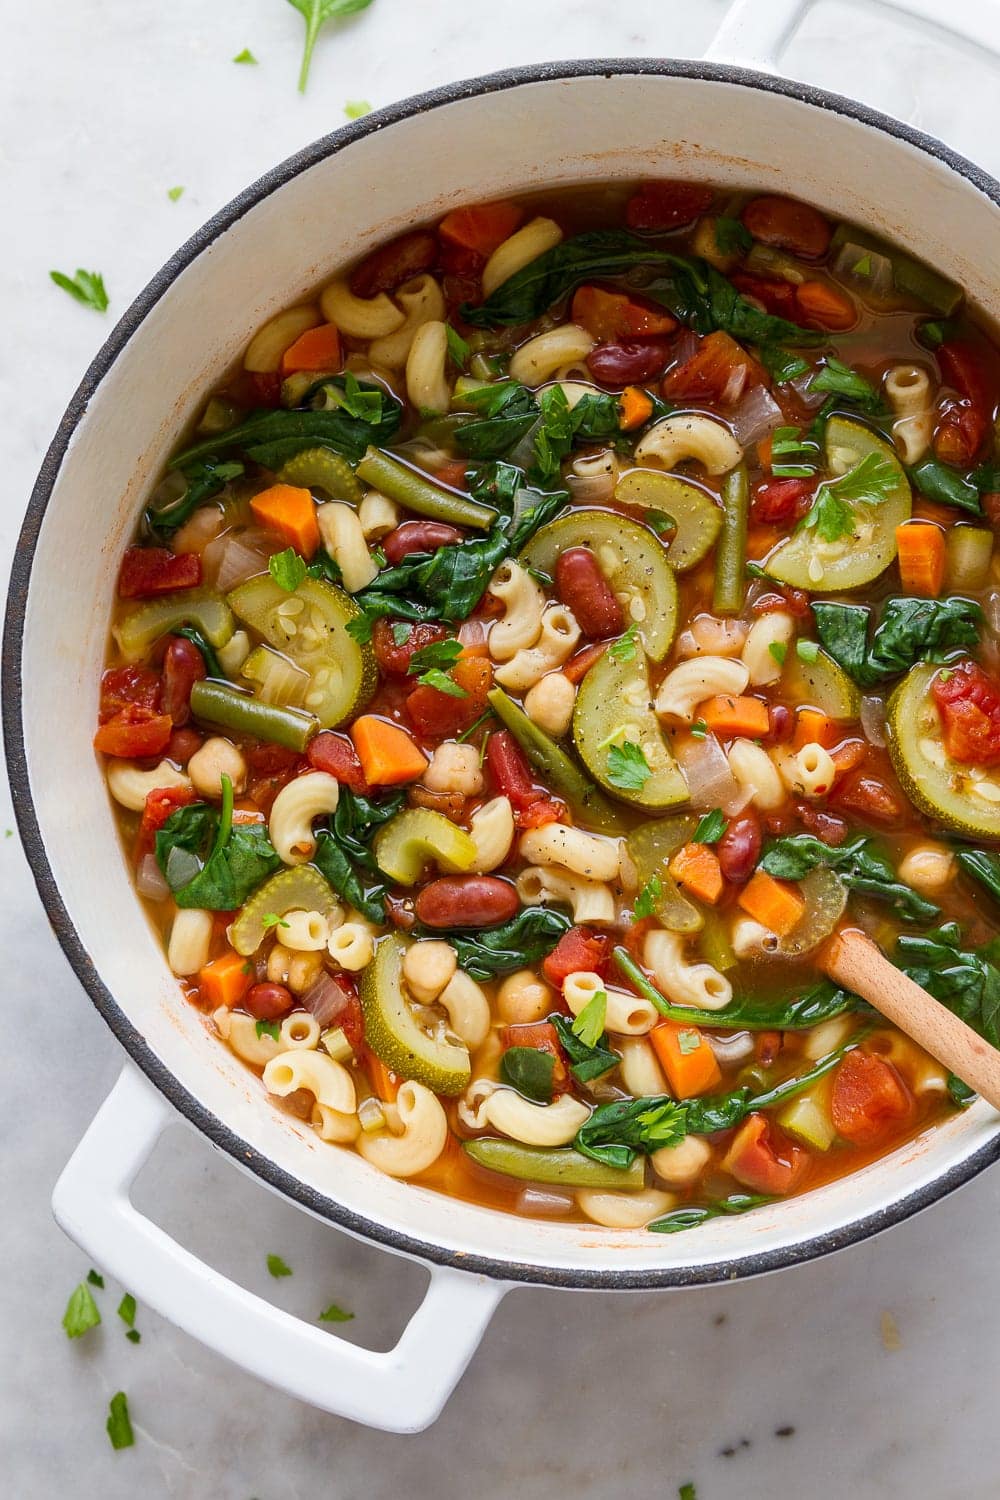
401,1390
755,32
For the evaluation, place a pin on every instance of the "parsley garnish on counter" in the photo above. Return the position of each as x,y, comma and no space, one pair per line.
86,286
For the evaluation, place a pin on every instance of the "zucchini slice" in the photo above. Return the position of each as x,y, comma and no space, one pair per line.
808,563
142,627
301,889
614,706
631,559
394,1033
696,517
821,684
652,845
309,626
962,798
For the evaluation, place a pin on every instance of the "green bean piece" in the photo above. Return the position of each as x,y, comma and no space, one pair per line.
414,490
228,708
556,769
731,550
560,1165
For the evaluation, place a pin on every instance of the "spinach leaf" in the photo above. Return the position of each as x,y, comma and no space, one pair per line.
858,863
586,1063
508,412
690,1216
982,866
968,982
960,1092
343,854
945,485
909,631
616,1133
205,478
272,437
209,862
529,1070
514,945
695,291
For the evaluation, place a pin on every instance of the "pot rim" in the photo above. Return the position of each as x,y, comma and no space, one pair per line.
220,1134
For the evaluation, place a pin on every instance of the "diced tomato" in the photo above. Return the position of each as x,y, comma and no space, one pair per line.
542,1037
263,387
387,267
271,768
349,1017
794,601
991,509
870,797
667,204
763,1159
481,227
450,805
512,773
788,225
868,1098
148,571
609,315
160,803
579,665
453,474
395,659
779,502
720,370
580,950
183,666
133,733
540,814
335,754
436,713
849,755
969,704
128,687
776,297
964,423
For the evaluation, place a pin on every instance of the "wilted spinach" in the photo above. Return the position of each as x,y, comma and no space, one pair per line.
343,854
208,861
967,981
910,630
513,945
205,478
585,1063
858,863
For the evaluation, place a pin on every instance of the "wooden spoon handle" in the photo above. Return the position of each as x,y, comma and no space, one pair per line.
853,961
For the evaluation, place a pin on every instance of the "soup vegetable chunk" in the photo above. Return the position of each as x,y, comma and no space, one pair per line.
547,638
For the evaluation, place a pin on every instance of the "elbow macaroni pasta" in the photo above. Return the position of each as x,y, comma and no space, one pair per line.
304,931
263,356
624,1210
763,664
360,317
684,983
239,1031
557,638
552,1124
523,603
130,786
696,679
426,379
518,251
756,773
423,302
351,946
589,899
694,435
581,853
491,829
292,813
908,391
626,1015
424,1134
344,538
541,357
468,1009
329,1082
190,937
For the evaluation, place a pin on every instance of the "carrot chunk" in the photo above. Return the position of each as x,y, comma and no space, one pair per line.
686,1058
696,867
728,715
482,226
289,511
317,349
385,1084
775,904
635,406
921,552
225,980
813,728
387,754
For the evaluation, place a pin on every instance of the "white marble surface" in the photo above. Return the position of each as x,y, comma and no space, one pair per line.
104,105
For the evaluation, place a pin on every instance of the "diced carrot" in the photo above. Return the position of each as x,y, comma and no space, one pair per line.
765,447
823,305
775,904
579,665
384,1082
289,511
387,754
813,728
482,226
921,558
317,349
686,1058
635,406
225,980
696,867
730,715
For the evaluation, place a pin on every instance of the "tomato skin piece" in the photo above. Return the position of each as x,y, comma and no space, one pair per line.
765,1160
437,714
510,770
395,660
161,802
779,502
542,1037
787,224
128,687
540,814
964,424
578,950
335,754
147,572
612,315
134,732
777,297
868,1098
667,204
719,370
968,702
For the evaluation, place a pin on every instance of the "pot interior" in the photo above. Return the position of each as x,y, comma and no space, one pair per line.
287,234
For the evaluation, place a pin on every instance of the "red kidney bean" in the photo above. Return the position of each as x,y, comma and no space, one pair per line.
781,723
183,744
419,536
826,826
871,798
739,848
628,362
583,588
396,262
466,901
268,1002
788,225
450,805
183,666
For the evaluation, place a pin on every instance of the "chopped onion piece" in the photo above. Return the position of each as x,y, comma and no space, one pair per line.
865,270
237,556
149,879
532,1200
706,770
757,414
326,1000
812,400
873,719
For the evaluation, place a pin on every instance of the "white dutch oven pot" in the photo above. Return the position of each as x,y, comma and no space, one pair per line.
559,124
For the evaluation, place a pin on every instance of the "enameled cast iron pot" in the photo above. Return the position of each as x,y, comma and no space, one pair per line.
558,124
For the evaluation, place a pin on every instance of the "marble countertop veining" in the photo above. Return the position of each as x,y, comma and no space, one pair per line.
870,1374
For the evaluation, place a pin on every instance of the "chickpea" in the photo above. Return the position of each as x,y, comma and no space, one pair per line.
454,768
682,1163
196,533
427,968
217,757
524,997
927,867
549,704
